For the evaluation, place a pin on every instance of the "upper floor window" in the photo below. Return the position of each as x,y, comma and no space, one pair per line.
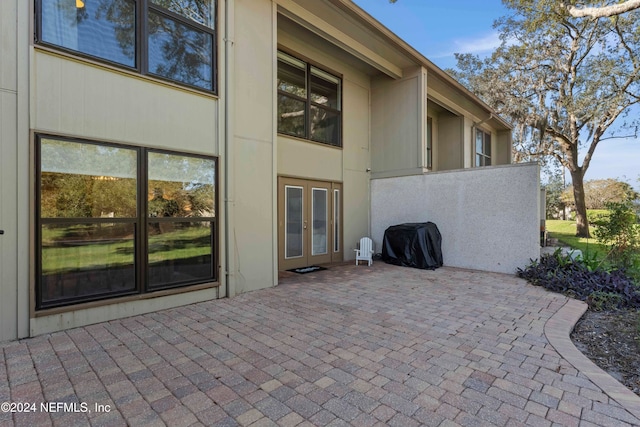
170,39
308,101
483,148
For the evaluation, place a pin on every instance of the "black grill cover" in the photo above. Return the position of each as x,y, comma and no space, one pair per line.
415,245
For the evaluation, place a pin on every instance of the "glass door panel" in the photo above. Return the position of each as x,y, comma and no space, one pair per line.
294,222
319,221
336,220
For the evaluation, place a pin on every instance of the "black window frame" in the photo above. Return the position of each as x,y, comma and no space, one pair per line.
141,225
141,56
308,102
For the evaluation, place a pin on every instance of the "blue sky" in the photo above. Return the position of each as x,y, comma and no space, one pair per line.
439,29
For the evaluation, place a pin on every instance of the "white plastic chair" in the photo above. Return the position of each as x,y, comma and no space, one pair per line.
365,252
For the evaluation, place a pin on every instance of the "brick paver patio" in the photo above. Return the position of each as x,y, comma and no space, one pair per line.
359,346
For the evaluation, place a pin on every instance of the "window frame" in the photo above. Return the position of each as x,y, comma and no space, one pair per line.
485,154
141,56
307,100
140,222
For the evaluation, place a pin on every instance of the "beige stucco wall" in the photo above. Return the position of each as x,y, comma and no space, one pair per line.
8,157
75,98
14,170
488,217
251,151
398,112
504,147
450,142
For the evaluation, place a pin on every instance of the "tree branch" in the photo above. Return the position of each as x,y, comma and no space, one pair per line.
604,11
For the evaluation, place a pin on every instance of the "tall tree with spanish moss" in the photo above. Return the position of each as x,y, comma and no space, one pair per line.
568,84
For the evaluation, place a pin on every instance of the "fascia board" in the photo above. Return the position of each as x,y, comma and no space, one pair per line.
330,33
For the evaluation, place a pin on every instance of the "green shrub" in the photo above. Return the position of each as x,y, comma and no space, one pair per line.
620,231
599,301
601,288
594,215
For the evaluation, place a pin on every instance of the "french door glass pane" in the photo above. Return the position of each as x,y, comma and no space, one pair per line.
80,180
85,260
179,252
179,52
105,29
293,222
319,220
336,220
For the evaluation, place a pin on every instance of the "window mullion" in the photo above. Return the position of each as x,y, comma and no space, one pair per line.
142,26
308,102
142,243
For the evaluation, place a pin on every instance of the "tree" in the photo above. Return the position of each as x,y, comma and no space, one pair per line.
596,12
564,82
600,192
601,11
554,202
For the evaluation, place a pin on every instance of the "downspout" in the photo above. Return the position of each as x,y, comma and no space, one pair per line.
228,133
274,149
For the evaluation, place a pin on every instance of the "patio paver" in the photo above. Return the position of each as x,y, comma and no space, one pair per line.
360,346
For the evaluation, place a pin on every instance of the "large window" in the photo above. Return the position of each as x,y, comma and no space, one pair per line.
483,148
116,220
170,39
308,101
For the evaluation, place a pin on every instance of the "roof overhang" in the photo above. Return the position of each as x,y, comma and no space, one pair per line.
349,27
308,20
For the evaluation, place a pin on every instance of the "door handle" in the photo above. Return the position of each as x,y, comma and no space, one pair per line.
304,225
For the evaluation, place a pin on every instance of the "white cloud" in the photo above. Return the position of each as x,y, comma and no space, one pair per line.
487,43
478,45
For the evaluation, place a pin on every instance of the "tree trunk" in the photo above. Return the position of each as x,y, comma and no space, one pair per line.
582,223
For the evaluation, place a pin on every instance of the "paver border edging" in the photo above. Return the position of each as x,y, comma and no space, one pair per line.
558,329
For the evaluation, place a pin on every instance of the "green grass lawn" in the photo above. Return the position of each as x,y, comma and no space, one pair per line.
174,245
565,232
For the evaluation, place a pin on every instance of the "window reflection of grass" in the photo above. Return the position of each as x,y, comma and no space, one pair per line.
86,256
180,244
173,245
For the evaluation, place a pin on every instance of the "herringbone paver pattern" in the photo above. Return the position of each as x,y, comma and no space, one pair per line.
348,346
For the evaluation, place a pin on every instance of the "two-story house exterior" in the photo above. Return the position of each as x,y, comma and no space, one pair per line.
157,153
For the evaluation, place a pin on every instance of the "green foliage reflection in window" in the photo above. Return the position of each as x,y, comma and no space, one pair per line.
309,101
178,39
102,234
